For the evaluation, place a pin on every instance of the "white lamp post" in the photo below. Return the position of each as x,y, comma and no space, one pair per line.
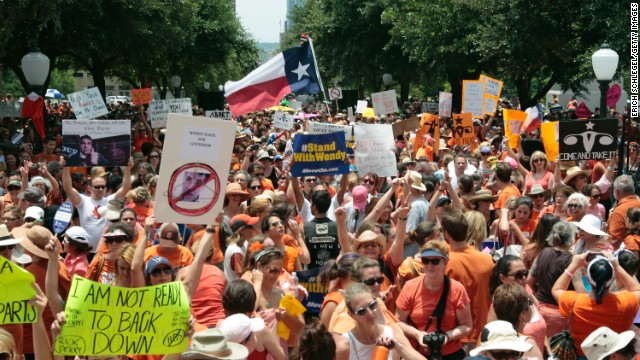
387,80
605,64
206,85
175,82
35,67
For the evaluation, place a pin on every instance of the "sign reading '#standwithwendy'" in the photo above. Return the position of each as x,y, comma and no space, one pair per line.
588,139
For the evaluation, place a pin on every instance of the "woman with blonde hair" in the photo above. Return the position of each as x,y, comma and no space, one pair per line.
260,207
477,230
140,202
539,173
152,184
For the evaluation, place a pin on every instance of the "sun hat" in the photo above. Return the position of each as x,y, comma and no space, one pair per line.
604,342
369,236
237,327
591,224
443,145
241,220
538,189
485,149
17,183
236,189
77,234
212,344
573,172
33,195
112,211
500,335
6,238
360,196
34,212
35,239
408,160
483,194
263,155
154,262
35,179
512,162
416,178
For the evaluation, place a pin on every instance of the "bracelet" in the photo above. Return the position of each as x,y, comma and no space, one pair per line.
401,218
210,230
568,273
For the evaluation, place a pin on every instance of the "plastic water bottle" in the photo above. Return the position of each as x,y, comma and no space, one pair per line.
294,284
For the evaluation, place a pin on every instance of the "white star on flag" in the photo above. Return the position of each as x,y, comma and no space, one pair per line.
590,125
301,70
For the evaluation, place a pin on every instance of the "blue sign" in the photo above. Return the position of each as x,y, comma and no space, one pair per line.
317,291
319,154
62,218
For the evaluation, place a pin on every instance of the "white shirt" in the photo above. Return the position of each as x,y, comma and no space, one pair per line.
90,220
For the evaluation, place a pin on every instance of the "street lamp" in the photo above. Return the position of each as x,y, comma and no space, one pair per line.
605,63
175,82
206,85
221,87
387,80
35,67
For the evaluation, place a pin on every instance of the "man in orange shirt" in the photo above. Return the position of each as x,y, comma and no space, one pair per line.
505,190
169,248
624,192
47,154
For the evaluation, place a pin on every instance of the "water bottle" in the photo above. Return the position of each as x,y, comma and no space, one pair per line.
294,284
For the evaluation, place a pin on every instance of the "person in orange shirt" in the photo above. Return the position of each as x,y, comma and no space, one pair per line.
505,190
47,154
522,225
624,192
274,227
169,248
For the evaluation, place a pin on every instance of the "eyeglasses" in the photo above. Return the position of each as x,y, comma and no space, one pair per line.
574,206
99,187
154,156
368,181
259,174
538,160
5,219
596,196
373,306
274,271
5,247
255,187
6,356
373,281
520,275
276,223
504,355
163,270
427,261
114,239
283,178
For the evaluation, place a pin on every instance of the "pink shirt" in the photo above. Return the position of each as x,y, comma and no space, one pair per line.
76,265
597,210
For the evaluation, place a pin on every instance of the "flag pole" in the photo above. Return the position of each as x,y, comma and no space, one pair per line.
313,53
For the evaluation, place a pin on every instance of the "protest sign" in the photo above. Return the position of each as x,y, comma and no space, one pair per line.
16,290
445,102
318,155
282,120
62,218
430,122
88,104
613,95
360,106
588,139
375,147
10,109
141,96
368,113
160,109
473,97
194,169
493,89
335,93
549,134
112,320
582,111
409,124
219,114
513,122
384,102
430,107
327,128
96,142
463,129
317,291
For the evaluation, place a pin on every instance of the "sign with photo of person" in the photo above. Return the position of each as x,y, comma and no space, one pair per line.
588,139
88,143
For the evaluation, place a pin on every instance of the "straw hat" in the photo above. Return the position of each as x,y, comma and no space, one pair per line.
212,344
236,189
36,239
573,172
368,236
112,211
6,238
500,335
416,177
537,189
483,195
591,224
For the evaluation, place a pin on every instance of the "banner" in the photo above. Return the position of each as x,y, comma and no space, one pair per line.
141,96
445,102
96,142
473,97
112,320
582,111
318,155
219,114
88,104
550,134
493,89
513,123
463,129
327,128
16,290
317,291
588,139
384,102
430,107
282,120
375,149
160,109
194,169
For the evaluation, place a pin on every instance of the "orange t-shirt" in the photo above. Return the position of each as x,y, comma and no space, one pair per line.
473,270
104,273
289,258
332,296
206,304
218,256
632,242
527,231
504,195
179,257
47,158
420,302
143,212
266,184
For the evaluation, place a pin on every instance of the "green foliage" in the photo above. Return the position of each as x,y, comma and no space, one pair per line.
62,81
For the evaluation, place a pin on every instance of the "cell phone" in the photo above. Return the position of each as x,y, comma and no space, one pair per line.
255,147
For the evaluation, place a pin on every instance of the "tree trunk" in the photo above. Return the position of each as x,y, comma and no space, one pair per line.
405,86
455,80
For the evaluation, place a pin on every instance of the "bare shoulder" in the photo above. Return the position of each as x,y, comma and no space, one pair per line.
342,347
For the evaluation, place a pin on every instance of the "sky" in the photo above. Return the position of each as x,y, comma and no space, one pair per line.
263,19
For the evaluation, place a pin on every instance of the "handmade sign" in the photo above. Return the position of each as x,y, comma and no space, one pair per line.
318,155
160,109
513,123
430,107
493,89
141,96
473,97
463,129
582,111
550,134
384,102
63,217
613,95
317,291
588,140
360,106
293,307
96,142
327,128
194,169
375,149
335,93
369,113
445,101
112,320
282,120
429,122
88,104
409,124
219,114
16,290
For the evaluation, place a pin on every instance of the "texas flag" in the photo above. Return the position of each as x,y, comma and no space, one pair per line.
292,71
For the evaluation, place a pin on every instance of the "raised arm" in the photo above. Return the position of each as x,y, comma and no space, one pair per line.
343,233
204,248
562,284
382,203
41,344
396,251
137,263
67,184
55,187
126,181
296,232
56,302
298,197
344,183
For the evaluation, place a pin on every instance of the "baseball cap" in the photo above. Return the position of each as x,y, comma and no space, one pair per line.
241,220
77,234
169,231
34,212
154,262
238,327
360,195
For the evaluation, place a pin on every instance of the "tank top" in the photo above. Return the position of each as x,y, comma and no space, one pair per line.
360,351
531,181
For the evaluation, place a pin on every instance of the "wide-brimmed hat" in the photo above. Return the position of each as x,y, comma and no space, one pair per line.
112,211
483,195
538,189
263,155
369,236
591,224
237,327
236,189
416,178
443,145
604,342
35,239
500,335
408,160
573,172
33,195
212,344
6,238
35,179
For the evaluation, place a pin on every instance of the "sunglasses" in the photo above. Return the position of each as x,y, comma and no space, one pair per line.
538,160
368,181
597,196
114,239
259,174
373,281
373,306
163,270
154,156
9,219
535,196
520,275
276,223
310,180
485,153
283,178
5,356
13,188
427,261
5,247
503,355
255,187
274,271
574,206
99,187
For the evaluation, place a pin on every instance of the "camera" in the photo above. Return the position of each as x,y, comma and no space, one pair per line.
435,340
34,166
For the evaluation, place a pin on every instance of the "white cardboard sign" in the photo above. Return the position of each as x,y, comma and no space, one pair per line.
444,104
360,106
219,114
88,104
160,109
384,102
375,149
473,97
282,120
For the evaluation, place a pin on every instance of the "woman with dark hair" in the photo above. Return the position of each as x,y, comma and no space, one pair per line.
632,240
315,343
599,307
538,239
370,181
521,225
466,190
144,168
103,266
76,246
594,194
340,271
